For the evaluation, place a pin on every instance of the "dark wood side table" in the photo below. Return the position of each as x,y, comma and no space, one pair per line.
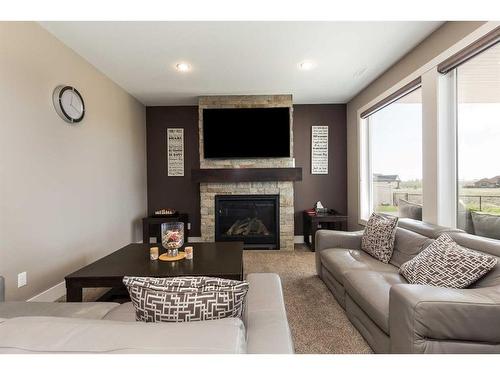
312,222
151,226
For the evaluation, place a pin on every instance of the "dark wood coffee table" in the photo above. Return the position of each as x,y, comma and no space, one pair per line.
219,259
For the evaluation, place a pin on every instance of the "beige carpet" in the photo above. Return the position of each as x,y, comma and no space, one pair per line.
318,323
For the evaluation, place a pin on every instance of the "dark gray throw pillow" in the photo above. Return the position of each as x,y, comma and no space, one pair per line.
186,299
378,237
486,225
447,264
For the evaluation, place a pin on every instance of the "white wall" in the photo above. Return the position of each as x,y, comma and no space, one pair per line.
451,34
68,194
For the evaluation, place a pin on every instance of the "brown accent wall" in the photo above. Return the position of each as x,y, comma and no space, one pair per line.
183,194
330,189
173,192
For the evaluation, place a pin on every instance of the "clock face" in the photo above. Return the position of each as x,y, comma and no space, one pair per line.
69,104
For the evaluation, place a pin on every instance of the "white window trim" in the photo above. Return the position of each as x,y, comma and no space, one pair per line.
447,177
440,199
365,182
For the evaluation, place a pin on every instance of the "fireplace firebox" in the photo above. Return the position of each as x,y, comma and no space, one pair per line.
253,219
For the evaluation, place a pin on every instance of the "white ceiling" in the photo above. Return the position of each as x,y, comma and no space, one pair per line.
231,58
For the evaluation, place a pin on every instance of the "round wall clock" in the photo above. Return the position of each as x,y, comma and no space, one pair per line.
68,104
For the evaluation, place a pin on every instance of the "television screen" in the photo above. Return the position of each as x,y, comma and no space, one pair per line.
246,133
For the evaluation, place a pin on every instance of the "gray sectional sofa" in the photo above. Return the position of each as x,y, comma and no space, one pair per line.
38,327
396,317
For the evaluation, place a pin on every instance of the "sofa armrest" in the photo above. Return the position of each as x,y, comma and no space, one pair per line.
419,314
265,316
328,239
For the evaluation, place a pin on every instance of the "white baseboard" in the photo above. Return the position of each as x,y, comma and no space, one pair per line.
51,294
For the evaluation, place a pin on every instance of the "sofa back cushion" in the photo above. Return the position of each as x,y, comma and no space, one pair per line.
72,335
410,210
424,228
407,245
486,225
483,245
464,218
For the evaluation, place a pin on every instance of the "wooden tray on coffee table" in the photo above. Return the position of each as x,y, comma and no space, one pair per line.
166,258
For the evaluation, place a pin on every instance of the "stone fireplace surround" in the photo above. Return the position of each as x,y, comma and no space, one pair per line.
284,189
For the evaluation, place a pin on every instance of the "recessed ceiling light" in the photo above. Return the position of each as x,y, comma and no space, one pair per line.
306,65
183,67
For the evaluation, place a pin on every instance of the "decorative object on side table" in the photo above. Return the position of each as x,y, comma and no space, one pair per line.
319,209
165,212
172,237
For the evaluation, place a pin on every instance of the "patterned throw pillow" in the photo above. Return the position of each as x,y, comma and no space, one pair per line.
447,264
378,237
185,299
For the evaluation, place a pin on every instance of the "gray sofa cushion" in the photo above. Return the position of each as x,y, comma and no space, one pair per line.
486,225
122,313
425,229
341,261
265,316
69,335
407,245
370,290
410,210
464,218
84,310
378,340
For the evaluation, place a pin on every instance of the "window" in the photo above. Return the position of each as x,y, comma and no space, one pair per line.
395,157
478,144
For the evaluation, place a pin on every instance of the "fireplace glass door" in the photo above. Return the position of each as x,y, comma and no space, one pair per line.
253,219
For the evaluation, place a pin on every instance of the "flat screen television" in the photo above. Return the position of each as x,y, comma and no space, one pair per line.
244,133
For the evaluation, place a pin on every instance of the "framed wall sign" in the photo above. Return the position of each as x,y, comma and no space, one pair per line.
175,152
319,150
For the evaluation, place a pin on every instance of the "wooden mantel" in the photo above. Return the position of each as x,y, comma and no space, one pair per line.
246,174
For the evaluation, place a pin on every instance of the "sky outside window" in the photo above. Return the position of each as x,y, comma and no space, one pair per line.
396,138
